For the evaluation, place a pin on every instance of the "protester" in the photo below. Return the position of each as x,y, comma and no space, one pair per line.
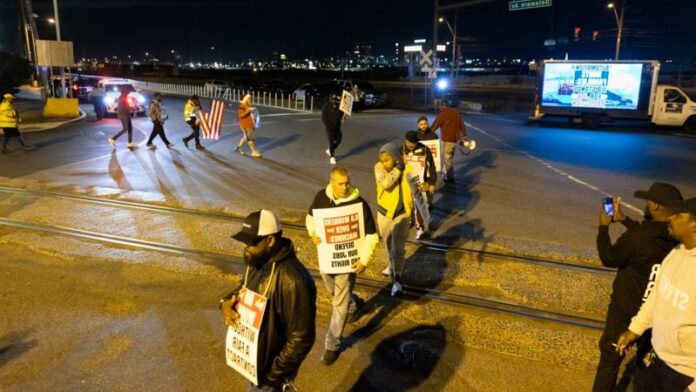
332,118
158,115
413,148
96,96
9,122
245,115
394,207
191,109
670,309
287,329
124,114
637,255
424,131
344,303
452,130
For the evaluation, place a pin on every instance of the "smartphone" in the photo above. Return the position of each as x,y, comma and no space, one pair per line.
608,206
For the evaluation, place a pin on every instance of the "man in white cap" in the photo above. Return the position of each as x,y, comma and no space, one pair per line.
287,330
9,122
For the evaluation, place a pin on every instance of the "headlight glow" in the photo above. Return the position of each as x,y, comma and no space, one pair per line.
442,84
108,100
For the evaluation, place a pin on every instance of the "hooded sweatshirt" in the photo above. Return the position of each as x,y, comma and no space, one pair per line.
326,199
394,196
671,312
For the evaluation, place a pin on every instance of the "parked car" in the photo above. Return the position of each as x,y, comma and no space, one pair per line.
75,86
247,85
213,86
368,96
277,86
301,93
112,90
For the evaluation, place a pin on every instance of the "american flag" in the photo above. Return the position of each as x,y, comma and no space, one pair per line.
212,112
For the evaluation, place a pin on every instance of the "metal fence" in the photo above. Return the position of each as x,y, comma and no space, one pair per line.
260,98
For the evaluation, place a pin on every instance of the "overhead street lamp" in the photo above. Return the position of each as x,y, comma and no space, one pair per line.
619,15
454,42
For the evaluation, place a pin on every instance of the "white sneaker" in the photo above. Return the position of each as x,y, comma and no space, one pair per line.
387,271
112,142
396,289
132,145
419,234
328,152
332,160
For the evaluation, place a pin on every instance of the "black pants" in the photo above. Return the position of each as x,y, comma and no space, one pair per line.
10,133
666,379
157,130
609,359
195,132
335,136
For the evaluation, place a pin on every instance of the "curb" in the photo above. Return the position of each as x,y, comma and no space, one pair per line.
38,127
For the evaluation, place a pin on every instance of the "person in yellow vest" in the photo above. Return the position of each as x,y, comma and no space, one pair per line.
191,109
394,207
9,122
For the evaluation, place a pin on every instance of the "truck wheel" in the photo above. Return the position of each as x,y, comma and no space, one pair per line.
590,121
690,125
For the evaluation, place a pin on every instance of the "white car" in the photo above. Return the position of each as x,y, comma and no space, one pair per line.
301,92
112,90
213,86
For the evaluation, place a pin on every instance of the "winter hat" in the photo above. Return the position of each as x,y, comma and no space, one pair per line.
395,151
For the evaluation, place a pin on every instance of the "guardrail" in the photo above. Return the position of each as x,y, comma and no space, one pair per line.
260,98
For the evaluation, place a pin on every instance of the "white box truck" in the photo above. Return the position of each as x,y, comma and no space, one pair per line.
592,92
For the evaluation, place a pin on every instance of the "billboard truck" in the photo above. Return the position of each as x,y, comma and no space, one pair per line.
593,92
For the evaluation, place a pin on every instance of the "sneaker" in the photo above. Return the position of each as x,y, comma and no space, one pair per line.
332,160
396,289
256,154
419,234
200,147
185,142
112,142
151,146
387,271
132,145
329,357
170,145
328,152
239,151
29,148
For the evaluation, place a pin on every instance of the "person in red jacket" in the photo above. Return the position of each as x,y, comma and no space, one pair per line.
452,130
245,114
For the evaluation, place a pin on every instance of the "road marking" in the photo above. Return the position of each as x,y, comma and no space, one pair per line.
286,114
553,168
309,119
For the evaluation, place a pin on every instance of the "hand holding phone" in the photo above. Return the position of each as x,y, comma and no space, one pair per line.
608,203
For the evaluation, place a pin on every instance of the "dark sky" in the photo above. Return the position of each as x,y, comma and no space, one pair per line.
299,28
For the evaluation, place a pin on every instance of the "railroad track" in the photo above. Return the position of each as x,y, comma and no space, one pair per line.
221,259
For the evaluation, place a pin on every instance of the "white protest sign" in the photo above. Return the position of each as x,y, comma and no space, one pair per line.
256,117
435,147
420,199
242,343
417,162
346,105
342,232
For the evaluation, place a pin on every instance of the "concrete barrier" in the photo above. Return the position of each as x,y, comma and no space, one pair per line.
61,107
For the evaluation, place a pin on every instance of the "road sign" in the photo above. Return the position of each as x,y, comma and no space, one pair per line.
518,5
425,58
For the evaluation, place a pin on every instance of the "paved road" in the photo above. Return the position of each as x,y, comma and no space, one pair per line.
527,189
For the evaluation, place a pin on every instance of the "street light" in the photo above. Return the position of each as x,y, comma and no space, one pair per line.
619,15
454,43
51,21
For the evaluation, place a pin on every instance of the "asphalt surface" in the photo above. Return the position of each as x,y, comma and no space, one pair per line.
526,189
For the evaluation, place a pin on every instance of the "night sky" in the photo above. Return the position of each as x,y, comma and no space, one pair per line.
240,29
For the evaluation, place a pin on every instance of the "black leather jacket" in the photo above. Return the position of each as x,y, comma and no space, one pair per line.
288,328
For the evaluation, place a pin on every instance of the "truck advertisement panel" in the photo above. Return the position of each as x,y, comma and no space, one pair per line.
592,85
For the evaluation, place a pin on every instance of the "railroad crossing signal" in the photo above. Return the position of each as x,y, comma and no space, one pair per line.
425,58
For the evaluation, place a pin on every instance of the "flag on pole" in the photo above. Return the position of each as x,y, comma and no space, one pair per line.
212,112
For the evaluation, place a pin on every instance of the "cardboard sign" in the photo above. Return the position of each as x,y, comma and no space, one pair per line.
420,200
242,343
435,147
342,232
417,163
346,105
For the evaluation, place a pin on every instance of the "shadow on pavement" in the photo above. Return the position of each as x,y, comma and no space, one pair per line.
266,144
14,345
405,361
368,145
117,174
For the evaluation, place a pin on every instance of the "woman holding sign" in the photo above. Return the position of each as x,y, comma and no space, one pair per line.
246,115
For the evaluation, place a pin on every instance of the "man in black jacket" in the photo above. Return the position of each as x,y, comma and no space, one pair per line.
287,330
412,150
637,254
332,118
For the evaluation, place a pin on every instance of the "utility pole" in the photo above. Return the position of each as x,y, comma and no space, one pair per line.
62,72
619,15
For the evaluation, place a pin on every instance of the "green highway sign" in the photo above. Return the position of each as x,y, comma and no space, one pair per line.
518,5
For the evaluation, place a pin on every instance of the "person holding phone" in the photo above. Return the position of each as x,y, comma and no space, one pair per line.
637,254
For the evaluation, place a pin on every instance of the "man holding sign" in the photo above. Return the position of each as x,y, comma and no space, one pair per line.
420,157
341,225
271,315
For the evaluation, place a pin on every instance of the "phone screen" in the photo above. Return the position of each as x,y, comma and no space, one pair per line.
608,206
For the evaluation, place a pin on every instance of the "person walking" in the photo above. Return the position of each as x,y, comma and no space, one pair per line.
413,148
394,207
124,114
332,117
637,255
158,115
9,122
245,115
191,109
670,310
344,303
452,130
287,329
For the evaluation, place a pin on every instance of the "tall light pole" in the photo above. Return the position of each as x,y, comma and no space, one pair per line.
619,15
454,42
57,22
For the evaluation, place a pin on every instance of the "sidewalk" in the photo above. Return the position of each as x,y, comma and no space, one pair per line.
30,107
